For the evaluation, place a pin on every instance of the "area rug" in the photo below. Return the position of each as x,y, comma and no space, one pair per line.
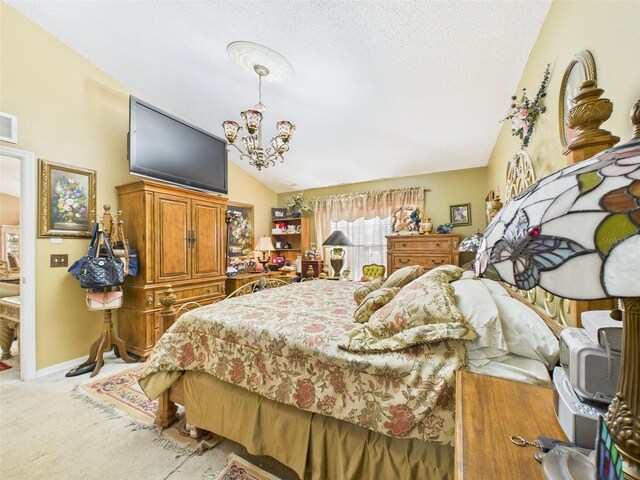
4,366
122,392
240,469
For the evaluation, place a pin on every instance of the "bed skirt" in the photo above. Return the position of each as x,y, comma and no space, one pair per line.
313,445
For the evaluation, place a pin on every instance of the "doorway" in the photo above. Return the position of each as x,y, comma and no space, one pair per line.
26,248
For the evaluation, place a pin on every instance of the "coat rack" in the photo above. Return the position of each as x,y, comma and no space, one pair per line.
108,339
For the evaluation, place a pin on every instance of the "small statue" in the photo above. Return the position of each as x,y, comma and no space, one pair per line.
312,253
414,217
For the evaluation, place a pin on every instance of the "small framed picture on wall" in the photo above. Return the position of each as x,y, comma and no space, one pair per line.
278,213
460,214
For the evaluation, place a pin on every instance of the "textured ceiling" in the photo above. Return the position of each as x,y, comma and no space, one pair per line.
381,88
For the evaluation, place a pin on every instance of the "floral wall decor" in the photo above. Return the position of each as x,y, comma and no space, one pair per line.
525,111
296,205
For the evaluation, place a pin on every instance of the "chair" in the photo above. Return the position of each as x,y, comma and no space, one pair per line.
372,271
14,263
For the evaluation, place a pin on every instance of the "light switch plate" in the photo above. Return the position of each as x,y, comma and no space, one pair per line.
59,260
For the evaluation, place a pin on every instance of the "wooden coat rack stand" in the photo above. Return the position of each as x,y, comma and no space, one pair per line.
108,339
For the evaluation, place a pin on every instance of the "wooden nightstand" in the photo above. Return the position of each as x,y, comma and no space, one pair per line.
488,411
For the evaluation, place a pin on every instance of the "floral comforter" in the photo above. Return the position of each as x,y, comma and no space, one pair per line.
282,343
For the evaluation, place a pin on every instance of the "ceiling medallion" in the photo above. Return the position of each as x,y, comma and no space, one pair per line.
264,62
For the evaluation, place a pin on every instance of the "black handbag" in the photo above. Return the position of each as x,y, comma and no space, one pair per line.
76,267
101,271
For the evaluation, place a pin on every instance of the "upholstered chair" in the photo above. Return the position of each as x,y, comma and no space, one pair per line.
372,271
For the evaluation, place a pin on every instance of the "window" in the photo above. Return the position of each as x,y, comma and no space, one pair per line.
368,238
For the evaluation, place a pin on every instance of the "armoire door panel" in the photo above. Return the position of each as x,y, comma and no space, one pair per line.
173,255
206,227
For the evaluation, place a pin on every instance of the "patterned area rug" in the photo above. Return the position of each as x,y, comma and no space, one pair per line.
239,469
4,366
123,392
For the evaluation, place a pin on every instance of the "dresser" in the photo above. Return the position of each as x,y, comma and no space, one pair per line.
428,251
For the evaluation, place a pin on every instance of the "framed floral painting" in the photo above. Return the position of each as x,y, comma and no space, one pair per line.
460,214
239,218
67,200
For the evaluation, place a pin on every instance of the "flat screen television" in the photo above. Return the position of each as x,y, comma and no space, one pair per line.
165,148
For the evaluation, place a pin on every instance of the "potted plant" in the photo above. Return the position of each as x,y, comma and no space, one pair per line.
296,205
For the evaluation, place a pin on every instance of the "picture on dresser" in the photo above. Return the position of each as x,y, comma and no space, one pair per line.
239,218
460,214
67,200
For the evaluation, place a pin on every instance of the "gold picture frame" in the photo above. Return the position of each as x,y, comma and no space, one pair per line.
240,233
581,68
67,200
460,215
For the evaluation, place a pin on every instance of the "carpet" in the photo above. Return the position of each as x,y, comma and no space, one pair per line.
122,391
240,469
4,366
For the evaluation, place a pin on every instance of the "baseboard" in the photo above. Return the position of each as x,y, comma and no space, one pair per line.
60,367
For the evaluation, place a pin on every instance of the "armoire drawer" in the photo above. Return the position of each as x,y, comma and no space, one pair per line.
191,293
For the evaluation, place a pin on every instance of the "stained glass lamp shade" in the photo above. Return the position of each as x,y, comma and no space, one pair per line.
576,234
471,243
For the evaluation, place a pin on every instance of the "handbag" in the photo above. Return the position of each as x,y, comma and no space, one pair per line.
101,272
76,267
105,300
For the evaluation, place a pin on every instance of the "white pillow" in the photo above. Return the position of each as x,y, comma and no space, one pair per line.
477,305
494,287
526,333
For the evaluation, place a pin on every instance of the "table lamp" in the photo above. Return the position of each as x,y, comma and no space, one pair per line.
337,240
265,247
576,234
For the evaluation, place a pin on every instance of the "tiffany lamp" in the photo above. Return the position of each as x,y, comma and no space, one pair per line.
576,234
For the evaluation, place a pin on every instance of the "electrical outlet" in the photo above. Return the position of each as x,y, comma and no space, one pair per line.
59,260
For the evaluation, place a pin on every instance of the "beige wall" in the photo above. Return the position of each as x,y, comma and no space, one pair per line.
71,112
9,209
447,188
610,31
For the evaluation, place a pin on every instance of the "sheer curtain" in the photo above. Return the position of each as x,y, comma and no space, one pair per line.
368,238
366,219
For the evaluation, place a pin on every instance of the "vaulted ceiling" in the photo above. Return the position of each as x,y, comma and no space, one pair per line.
381,88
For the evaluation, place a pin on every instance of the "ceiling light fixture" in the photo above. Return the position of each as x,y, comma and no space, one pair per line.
260,60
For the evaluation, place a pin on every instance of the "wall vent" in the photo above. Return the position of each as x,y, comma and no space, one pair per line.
8,128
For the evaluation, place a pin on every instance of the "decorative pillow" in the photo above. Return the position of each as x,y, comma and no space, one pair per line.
403,277
374,301
365,290
422,312
453,272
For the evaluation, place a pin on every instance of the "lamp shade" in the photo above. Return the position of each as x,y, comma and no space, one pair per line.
471,243
264,244
575,233
338,239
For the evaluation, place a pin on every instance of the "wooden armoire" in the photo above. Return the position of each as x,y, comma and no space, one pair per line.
179,235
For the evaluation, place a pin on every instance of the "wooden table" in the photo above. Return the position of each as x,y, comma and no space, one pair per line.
488,411
9,324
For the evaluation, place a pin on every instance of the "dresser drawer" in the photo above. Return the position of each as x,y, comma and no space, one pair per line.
200,294
426,261
431,244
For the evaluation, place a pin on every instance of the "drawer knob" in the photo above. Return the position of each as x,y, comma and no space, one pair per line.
404,245
149,300
403,260
437,262
437,244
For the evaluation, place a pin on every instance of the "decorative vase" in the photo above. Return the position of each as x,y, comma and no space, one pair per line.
426,226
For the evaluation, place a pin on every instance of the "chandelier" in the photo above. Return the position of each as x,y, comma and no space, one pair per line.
258,156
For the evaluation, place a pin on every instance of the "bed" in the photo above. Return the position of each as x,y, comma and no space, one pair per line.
274,372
